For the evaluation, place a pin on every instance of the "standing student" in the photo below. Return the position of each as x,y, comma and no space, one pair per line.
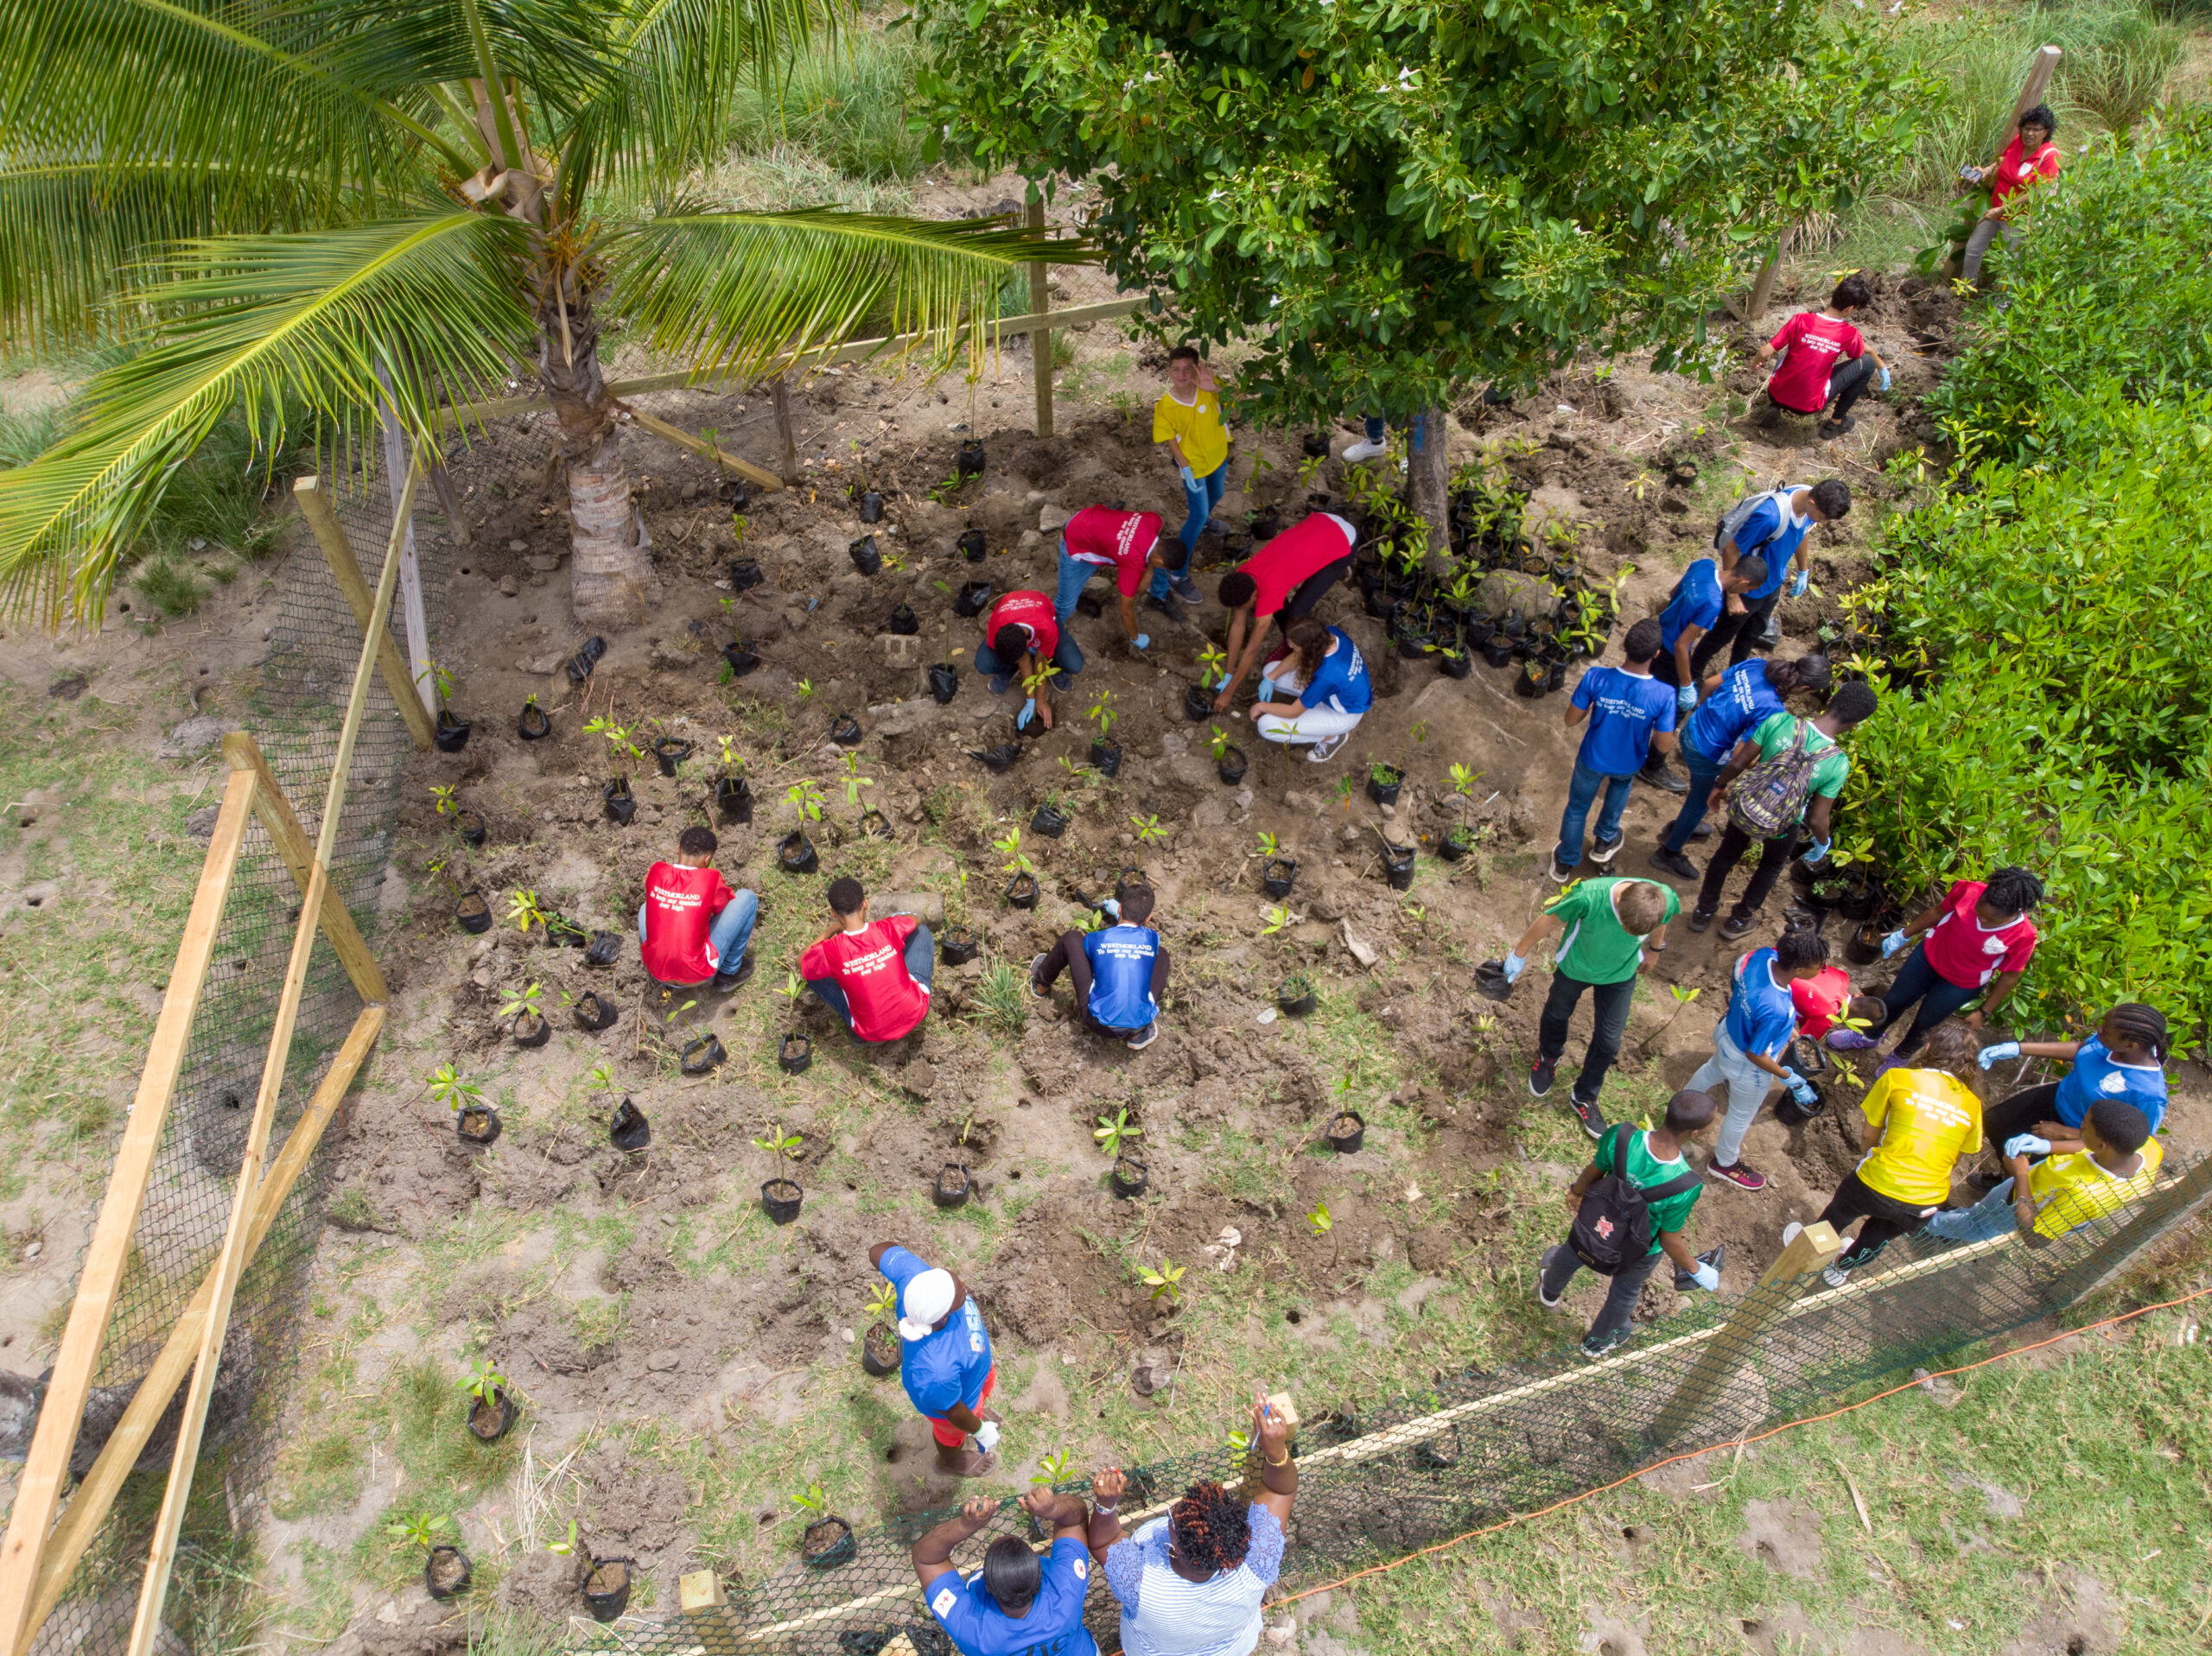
692,926
1916,1124
1284,578
1749,1043
2124,1060
1652,1163
2029,159
1770,527
1020,634
1631,715
1120,972
1812,343
1737,702
1692,608
1785,774
1978,941
944,1359
1326,678
1604,926
1100,541
1186,422
2117,1162
1017,1603
875,974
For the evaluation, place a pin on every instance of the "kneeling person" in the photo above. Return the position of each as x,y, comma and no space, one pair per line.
1120,973
692,926
1021,635
1016,1602
2118,1162
875,974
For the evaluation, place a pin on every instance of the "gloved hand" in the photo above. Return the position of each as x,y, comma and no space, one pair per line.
1705,1278
1141,641
2003,1050
987,1436
1028,712
1893,942
1685,697
1799,582
1111,907
1800,1088
1816,851
1515,966
1190,478
1885,379
2026,1143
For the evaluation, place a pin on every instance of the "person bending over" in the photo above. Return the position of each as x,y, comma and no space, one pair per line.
2118,1161
875,974
1120,972
1978,941
1125,544
1021,635
1017,1602
1750,1042
1772,527
691,925
1326,676
1737,702
2124,1060
1285,579
1811,344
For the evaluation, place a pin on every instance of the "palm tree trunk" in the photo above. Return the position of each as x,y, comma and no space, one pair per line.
612,576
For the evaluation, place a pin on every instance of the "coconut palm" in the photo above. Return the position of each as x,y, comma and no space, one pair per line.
326,212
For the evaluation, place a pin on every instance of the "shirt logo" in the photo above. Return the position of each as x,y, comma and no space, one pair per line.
943,1601
1993,945
2112,1084
1083,1569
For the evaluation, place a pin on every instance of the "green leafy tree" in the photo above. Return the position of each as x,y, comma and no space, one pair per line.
1396,202
313,213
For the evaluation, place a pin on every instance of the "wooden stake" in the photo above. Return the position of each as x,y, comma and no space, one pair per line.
2037,83
699,446
1813,1248
346,570
1041,339
779,397
400,478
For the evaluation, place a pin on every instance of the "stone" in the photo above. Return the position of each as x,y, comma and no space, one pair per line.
509,587
200,825
544,563
928,907
518,546
194,735
1052,519
1362,950
662,1361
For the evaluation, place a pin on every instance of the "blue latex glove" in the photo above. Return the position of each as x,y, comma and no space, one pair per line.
1190,478
1893,942
2026,1143
1685,697
1515,966
1885,379
1800,1088
1814,852
2003,1050
1141,641
1705,1278
1111,907
1799,582
1028,712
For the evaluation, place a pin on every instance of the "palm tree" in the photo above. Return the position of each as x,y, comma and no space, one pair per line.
329,212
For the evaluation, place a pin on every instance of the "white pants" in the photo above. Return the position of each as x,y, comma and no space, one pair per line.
1747,1084
1314,725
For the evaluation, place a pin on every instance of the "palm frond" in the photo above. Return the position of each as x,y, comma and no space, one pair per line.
284,326
728,291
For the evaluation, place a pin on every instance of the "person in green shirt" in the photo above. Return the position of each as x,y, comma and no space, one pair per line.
1852,705
1603,926
1647,1158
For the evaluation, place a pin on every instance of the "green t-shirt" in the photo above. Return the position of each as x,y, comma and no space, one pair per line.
1829,768
1644,1170
1597,948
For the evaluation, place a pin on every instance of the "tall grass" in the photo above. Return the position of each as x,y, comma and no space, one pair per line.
844,103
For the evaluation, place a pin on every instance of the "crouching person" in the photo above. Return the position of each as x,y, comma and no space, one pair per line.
875,974
1120,973
692,927
1318,694
1021,638
1017,1601
2117,1163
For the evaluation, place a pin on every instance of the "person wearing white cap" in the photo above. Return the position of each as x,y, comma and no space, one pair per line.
944,1359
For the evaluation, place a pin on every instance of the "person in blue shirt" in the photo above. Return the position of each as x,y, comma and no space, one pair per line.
1631,715
1748,1044
1692,608
2124,1060
944,1359
1737,702
1775,533
1120,972
1017,1604
1325,678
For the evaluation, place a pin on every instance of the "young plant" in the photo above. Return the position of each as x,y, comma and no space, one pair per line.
1346,787
1218,742
1149,829
1002,998
1463,780
565,1549
484,1383
1054,1466
883,1304
813,1501
1165,1282
805,688
452,1089
619,738
1102,715
1213,666
444,802
1682,997
853,781
1114,1134
731,763
523,911
1010,848
420,1530
602,1079
1278,919
1270,847
778,1146
445,681
1323,1225
518,1003
805,798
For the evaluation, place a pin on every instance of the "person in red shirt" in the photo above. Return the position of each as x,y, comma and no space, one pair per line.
1824,1001
1285,580
1978,941
1813,343
875,974
1020,634
2031,157
1098,539
692,926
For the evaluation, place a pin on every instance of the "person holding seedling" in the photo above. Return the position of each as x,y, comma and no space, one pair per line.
1978,941
1023,641
2117,1162
1187,422
1811,344
875,974
944,1359
1631,716
1692,608
1737,702
692,927
1284,580
1018,1603
1120,972
1749,1045
1125,544
1325,678
2123,1062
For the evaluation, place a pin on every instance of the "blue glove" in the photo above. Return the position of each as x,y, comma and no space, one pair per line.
1111,907
2026,1143
1800,1088
1028,712
1798,582
1190,478
1141,641
1705,1278
1515,966
1893,942
1685,697
1814,852
2003,1050
1885,379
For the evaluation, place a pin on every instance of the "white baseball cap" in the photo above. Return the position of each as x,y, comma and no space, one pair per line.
925,1304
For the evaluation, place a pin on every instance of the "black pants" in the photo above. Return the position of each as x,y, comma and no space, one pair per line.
2018,1114
1774,857
1609,1008
1849,383
1301,603
1918,983
1741,632
1623,1287
1886,1218
1067,955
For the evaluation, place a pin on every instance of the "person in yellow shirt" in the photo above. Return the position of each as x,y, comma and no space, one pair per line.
2118,1162
1918,1123
1188,420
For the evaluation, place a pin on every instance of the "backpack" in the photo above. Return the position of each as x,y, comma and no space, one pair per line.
1612,1228
1727,526
1767,800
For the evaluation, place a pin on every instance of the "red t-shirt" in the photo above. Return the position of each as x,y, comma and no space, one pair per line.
1123,540
1963,954
870,967
1032,613
2014,171
681,904
1814,341
1819,1000
1278,568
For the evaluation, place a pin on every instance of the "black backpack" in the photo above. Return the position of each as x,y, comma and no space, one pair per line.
1612,1228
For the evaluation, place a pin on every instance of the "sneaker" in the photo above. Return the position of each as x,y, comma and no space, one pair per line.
1665,774
1587,1113
1186,588
1791,1232
1000,684
1363,450
1035,988
1145,1037
1736,925
1985,1182
1539,1076
1700,919
1835,1276
726,981
1702,831
1560,875
1831,429
1675,863
1543,1266
1741,1174
1604,851
1597,1345
1166,605
1325,749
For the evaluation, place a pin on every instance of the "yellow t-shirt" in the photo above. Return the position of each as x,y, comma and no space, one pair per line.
1197,426
2071,1190
1929,1120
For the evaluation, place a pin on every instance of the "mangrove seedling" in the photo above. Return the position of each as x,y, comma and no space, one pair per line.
1213,665
1010,848
452,1089
602,1079
1055,1466
566,1548
805,688
420,1530
1278,919
1463,780
1113,1135
883,1304
779,1144
618,739
1270,847
523,1002
523,911
1149,829
1682,997
1102,714
484,1383
1165,1282
1323,1225
805,797
1346,787
443,801
816,1500
853,781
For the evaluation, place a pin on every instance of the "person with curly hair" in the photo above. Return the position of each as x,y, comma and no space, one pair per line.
1978,941
1191,1584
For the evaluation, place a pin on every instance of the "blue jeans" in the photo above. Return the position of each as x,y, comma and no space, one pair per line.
1201,500
921,966
729,932
1704,773
1991,1217
1418,426
1580,794
1066,658
1074,575
1937,997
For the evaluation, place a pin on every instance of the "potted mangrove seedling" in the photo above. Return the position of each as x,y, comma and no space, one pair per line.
474,1122
471,913
1459,839
972,599
607,1587
451,733
1278,869
1021,890
1105,752
827,1540
492,1408
1051,817
669,751
1383,782
845,730
533,724
1294,997
865,555
879,1348
1116,1135
1347,1132
952,1186
944,682
780,1195
518,1009
445,1568
1397,864
1228,761
796,852
972,544
733,793
627,1129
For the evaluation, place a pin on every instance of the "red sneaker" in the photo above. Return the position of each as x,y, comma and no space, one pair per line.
1742,1174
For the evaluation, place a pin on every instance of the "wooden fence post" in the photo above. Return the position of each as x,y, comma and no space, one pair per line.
346,570
1812,1249
1040,342
779,397
2037,83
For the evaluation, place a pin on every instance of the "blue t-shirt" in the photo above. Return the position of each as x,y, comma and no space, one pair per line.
951,1366
1743,701
2094,1075
1762,1016
1695,603
971,1617
1772,531
1121,959
1624,709
1341,677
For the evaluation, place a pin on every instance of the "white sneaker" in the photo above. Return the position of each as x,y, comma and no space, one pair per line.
1364,450
1326,748
1790,1233
1549,1304
1835,1276
1034,988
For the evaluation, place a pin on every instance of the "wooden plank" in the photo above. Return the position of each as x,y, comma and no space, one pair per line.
1041,341
780,398
291,841
346,570
38,1489
705,450
89,1502
401,478
2037,83
160,1559
1813,1249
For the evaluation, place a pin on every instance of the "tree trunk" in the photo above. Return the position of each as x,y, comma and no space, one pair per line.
612,573
1428,479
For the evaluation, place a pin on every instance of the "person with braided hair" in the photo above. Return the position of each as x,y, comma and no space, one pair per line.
2124,1060
1191,1584
1978,941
